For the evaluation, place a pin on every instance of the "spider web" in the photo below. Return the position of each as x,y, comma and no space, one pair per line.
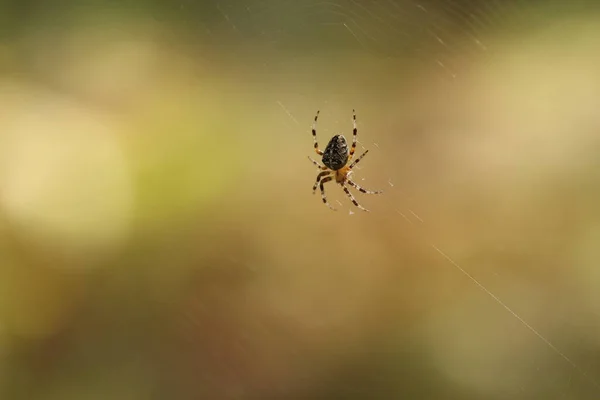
441,37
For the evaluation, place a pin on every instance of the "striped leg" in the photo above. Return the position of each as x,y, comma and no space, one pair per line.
358,159
322,167
321,175
354,132
323,181
314,132
354,185
353,199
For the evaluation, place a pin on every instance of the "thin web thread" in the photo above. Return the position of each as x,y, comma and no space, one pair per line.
514,314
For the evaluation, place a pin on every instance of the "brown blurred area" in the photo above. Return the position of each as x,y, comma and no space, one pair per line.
158,234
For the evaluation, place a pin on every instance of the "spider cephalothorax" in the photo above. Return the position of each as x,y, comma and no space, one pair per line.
335,159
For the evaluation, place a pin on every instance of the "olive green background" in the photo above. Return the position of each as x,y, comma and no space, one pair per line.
158,234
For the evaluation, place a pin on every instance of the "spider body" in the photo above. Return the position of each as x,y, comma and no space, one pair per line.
335,159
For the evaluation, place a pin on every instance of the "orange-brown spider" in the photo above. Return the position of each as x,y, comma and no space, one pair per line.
335,159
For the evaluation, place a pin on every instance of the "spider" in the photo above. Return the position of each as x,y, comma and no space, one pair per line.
336,158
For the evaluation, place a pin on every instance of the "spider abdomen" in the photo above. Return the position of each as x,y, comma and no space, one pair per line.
335,155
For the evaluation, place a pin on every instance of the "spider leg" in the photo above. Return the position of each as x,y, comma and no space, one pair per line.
321,175
323,181
354,132
356,186
358,159
318,165
353,199
314,132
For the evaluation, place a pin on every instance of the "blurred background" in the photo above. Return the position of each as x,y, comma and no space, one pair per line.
158,234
